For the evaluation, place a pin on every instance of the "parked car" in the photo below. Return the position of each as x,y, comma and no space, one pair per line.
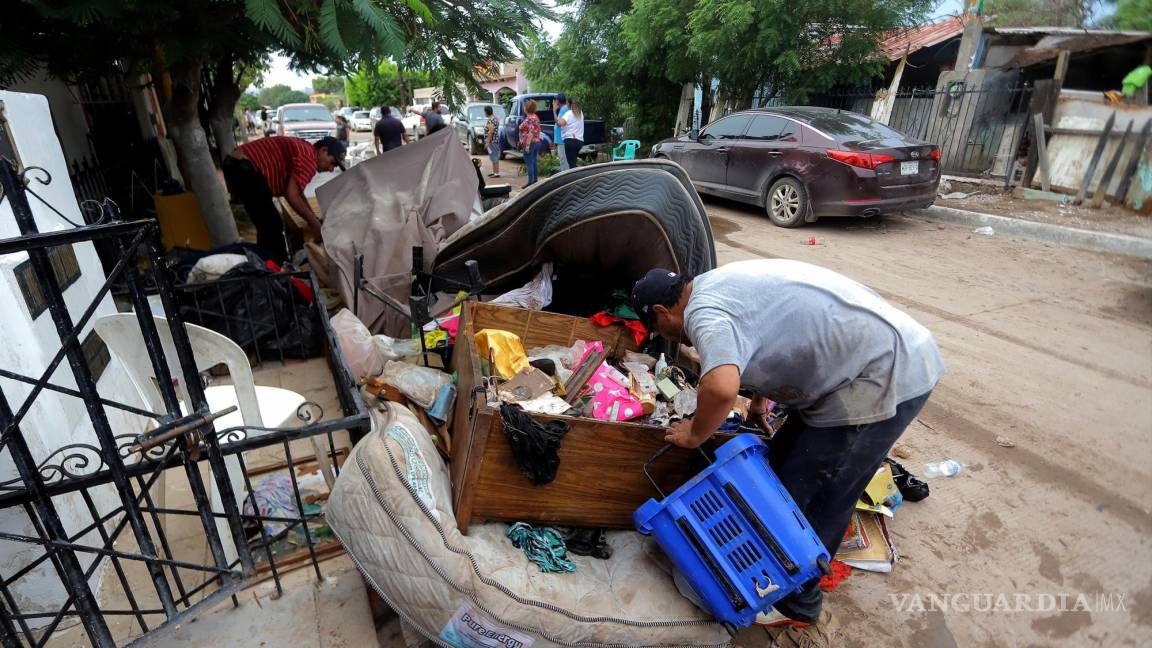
545,106
346,112
377,112
414,123
802,163
361,121
471,125
306,121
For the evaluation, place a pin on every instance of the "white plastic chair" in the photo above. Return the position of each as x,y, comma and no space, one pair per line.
258,405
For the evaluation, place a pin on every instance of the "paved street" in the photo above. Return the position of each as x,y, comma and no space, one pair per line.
1046,347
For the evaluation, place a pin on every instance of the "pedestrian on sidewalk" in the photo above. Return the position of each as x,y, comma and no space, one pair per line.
342,129
260,170
530,140
389,132
492,142
562,109
572,133
852,369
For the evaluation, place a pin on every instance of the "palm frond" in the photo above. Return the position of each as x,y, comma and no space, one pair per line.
330,28
266,15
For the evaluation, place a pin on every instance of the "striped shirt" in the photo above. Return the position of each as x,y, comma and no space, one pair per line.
280,159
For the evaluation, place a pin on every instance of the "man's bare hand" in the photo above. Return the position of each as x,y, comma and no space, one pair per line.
681,435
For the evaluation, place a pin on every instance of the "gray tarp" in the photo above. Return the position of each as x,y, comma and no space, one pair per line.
415,195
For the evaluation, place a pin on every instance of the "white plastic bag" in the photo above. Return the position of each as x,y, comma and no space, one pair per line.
419,384
566,358
357,346
392,349
534,295
214,266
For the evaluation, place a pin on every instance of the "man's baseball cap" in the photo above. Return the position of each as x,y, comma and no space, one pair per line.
659,286
560,96
335,148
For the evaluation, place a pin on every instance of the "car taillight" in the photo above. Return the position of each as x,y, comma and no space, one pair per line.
858,159
936,154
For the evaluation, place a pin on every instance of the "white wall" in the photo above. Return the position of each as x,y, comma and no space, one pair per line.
29,344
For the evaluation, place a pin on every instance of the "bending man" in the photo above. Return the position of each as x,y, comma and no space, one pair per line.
853,370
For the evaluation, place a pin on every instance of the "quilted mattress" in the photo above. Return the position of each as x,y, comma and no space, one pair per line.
390,508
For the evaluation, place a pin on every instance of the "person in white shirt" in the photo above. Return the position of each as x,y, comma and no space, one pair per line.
572,131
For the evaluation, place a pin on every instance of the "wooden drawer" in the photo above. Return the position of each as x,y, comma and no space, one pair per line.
600,481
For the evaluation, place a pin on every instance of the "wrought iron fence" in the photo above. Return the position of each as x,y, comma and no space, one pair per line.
978,129
75,510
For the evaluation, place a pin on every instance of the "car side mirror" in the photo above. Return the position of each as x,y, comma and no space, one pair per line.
694,134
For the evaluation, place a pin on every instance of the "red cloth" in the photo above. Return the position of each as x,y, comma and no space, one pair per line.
280,159
639,331
302,286
840,572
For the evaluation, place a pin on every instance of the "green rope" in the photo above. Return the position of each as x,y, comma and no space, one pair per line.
543,546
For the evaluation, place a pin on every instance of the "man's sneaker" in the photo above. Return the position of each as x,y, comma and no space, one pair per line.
773,619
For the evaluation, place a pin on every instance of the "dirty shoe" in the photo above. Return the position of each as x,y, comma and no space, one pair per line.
825,633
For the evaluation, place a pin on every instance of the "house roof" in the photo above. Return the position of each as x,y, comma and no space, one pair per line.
905,41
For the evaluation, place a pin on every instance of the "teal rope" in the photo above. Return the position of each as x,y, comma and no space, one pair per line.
543,546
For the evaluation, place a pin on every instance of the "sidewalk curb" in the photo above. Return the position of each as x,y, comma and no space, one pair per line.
1078,238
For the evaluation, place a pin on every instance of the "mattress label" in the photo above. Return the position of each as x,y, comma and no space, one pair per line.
467,629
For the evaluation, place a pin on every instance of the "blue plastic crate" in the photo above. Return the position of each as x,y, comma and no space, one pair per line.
735,534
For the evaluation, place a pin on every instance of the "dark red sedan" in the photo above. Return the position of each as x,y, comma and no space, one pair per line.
801,163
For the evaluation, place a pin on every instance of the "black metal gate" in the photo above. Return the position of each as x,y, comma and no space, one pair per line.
97,507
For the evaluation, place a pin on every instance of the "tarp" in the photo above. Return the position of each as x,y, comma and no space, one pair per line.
416,195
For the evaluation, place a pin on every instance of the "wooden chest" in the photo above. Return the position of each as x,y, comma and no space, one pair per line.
600,481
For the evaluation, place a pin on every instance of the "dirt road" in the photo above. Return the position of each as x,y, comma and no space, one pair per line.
1048,347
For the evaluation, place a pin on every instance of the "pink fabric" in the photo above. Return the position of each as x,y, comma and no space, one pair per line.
611,399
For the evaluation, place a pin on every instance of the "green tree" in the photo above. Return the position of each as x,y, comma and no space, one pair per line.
249,101
280,94
1132,14
333,85
383,85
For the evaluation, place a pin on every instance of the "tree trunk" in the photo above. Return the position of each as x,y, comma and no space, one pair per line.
194,154
221,113
705,101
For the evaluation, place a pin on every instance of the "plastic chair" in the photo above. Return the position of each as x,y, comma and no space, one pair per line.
625,150
258,405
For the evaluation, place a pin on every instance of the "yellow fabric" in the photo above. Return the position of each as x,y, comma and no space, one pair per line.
504,349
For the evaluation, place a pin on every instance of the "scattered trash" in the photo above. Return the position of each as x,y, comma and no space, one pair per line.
543,546
840,572
586,542
504,349
986,231
534,295
811,240
912,489
901,451
419,384
1005,442
946,468
958,195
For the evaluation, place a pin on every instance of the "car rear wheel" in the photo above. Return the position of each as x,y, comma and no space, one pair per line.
787,203
477,147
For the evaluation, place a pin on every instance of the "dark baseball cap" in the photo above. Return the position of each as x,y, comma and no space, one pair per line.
560,96
335,148
659,286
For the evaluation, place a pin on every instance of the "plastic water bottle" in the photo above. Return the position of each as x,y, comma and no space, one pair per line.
946,468
661,365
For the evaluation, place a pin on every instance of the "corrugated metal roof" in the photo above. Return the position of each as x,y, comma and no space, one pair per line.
1069,31
905,41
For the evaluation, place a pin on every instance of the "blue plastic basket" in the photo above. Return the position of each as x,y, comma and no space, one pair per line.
735,533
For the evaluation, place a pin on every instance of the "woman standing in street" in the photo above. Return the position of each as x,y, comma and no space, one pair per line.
530,139
492,140
572,131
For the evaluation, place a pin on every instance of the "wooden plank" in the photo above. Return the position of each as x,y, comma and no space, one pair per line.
1041,150
1102,188
1133,162
600,481
1095,159
1080,131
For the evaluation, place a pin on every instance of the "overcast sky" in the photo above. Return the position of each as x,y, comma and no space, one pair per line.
278,72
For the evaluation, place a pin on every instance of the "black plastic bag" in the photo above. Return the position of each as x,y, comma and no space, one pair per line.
256,311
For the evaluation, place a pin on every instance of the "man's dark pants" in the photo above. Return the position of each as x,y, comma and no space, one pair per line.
248,187
826,470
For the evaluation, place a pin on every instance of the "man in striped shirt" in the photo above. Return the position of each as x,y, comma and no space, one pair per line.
266,168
